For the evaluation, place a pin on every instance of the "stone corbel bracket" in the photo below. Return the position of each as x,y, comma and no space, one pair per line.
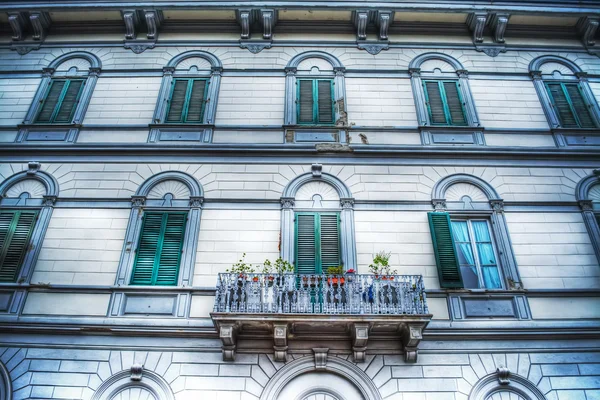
134,21
412,334
228,336
587,28
360,19
498,24
40,22
476,23
383,21
154,19
245,17
131,19
280,346
267,19
321,354
17,20
360,339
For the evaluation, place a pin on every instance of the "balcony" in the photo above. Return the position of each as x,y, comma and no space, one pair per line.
297,310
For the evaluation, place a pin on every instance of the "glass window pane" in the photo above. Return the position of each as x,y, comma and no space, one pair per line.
486,254
469,276
481,231
491,277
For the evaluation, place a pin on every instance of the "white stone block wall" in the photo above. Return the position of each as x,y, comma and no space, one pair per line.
15,99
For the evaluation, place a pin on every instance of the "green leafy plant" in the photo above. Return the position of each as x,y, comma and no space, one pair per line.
280,266
335,270
381,264
241,267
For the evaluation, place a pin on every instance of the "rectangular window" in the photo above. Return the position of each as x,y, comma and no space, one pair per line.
158,254
60,101
570,105
444,103
315,101
476,255
317,242
187,101
16,227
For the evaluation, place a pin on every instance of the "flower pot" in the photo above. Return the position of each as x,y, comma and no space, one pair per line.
255,279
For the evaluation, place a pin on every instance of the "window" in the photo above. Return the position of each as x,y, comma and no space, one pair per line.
315,101
476,254
317,242
187,100
60,101
16,227
158,254
444,103
570,105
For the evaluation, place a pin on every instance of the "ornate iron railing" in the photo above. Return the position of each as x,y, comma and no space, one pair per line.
320,294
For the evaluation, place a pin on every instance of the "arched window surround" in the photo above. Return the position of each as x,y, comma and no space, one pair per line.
196,132
492,208
44,206
141,203
66,132
432,134
346,209
501,380
6,392
339,93
589,208
120,381
535,70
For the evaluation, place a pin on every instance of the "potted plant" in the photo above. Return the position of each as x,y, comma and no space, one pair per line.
241,268
381,266
335,271
279,267
350,275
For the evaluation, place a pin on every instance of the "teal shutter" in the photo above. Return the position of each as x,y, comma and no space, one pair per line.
579,105
454,103
306,101
445,250
306,244
16,228
159,250
195,108
50,101
325,101
177,100
435,104
317,242
69,102
561,105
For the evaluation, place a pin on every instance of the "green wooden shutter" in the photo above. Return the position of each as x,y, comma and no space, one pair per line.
159,250
325,101
454,103
16,228
435,103
445,250
561,105
50,101
177,100
195,107
69,101
306,244
306,101
330,241
581,108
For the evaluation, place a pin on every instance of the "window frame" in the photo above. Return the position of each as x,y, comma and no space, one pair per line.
315,95
444,98
188,94
6,246
473,242
59,103
563,85
317,236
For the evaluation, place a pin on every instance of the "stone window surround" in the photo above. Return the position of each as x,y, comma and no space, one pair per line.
587,208
578,76
146,379
346,209
68,132
504,380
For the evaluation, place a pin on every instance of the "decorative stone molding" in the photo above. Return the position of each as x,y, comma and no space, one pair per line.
503,375
499,382
196,201
132,22
16,20
383,21
244,18
316,170
138,201
586,205
373,48
33,167
476,22
136,372
49,201
497,205
412,335
153,21
321,357
40,22
268,19
227,334
255,47
439,204
118,383
138,47
360,339
587,28
6,389
498,24
491,50
346,203
360,18
287,202
582,195
23,49
280,346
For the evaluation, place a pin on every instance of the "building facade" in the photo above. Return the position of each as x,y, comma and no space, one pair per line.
151,150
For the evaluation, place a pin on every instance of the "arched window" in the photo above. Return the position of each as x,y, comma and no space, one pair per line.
162,236
26,203
504,385
188,98
147,385
587,194
5,383
443,99
470,236
565,94
62,98
314,98
317,223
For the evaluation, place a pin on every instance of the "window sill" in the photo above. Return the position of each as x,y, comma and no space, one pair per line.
51,133
452,135
181,132
567,137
